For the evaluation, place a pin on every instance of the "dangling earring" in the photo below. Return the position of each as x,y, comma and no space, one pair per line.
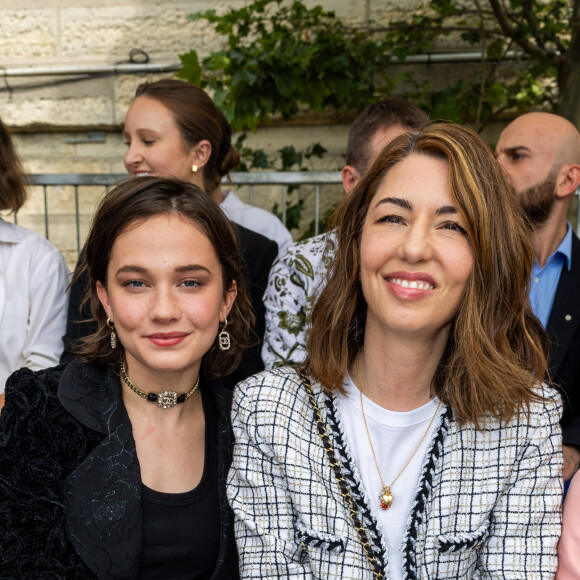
224,341
194,168
113,336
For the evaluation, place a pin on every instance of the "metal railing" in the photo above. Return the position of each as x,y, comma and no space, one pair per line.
253,181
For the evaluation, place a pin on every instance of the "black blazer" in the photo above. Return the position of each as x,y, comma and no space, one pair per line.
564,332
258,253
70,483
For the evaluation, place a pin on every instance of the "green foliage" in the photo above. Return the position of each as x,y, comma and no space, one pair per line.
287,158
292,160
538,30
280,58
294,211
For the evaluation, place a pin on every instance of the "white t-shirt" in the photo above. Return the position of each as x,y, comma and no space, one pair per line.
395,436
256,219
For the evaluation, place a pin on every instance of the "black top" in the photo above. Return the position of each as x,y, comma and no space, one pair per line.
181,531
258,253
70,484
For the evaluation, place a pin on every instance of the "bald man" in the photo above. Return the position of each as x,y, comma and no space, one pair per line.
540,156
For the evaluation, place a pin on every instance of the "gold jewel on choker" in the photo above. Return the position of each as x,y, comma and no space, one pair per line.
386,496
166,399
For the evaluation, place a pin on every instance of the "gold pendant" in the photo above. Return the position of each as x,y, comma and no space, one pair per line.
386,498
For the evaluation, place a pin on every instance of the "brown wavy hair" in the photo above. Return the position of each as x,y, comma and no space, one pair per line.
497,347
131,204
197,118
13,184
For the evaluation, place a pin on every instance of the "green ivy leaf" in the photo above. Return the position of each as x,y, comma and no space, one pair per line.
190,69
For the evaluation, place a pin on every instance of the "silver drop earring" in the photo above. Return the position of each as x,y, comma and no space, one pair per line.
224,340
113,336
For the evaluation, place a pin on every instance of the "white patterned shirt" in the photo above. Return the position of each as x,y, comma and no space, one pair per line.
296,278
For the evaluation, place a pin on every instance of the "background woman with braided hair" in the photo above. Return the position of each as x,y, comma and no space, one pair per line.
173,129
417,441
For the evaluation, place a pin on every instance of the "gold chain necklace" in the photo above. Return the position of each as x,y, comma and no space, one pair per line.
166,399
386,496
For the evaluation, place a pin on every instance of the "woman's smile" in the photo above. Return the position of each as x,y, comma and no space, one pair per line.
167,339
416,257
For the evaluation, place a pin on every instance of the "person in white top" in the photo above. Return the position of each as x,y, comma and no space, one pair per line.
416,441
33,281
174,129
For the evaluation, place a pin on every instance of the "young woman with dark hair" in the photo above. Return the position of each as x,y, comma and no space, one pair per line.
114,465
417,441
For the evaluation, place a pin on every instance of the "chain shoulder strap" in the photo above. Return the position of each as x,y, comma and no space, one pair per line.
344,490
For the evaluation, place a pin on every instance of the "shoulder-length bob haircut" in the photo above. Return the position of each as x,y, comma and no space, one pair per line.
497,348
129,205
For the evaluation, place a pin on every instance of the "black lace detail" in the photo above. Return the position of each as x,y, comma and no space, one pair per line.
421,499
70,483
34,430
368,519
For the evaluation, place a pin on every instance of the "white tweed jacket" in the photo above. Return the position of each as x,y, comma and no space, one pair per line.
487,504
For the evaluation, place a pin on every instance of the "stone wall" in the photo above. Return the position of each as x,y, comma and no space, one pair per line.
71,123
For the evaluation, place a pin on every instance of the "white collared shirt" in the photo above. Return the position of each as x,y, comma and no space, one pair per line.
256,219
33,301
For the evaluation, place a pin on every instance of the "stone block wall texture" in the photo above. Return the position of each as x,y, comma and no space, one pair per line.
51,119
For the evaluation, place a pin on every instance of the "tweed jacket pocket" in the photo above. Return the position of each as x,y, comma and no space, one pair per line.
462,541
310,538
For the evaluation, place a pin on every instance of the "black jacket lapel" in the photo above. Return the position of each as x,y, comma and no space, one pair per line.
103,494
565,315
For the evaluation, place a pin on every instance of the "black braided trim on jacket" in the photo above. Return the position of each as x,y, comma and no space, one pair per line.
367,517
417,515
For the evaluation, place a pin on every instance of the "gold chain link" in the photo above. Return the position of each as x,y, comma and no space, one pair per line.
342,484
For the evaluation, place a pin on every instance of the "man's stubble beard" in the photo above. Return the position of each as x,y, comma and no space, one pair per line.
537,201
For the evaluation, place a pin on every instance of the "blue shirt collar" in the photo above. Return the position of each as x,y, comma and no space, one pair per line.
565,247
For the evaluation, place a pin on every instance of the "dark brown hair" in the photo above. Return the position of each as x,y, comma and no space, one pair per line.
497,348
12,180
131,204
197,118
381,115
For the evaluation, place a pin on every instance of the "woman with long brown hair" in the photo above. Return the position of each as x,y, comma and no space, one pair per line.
417,441
114,465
